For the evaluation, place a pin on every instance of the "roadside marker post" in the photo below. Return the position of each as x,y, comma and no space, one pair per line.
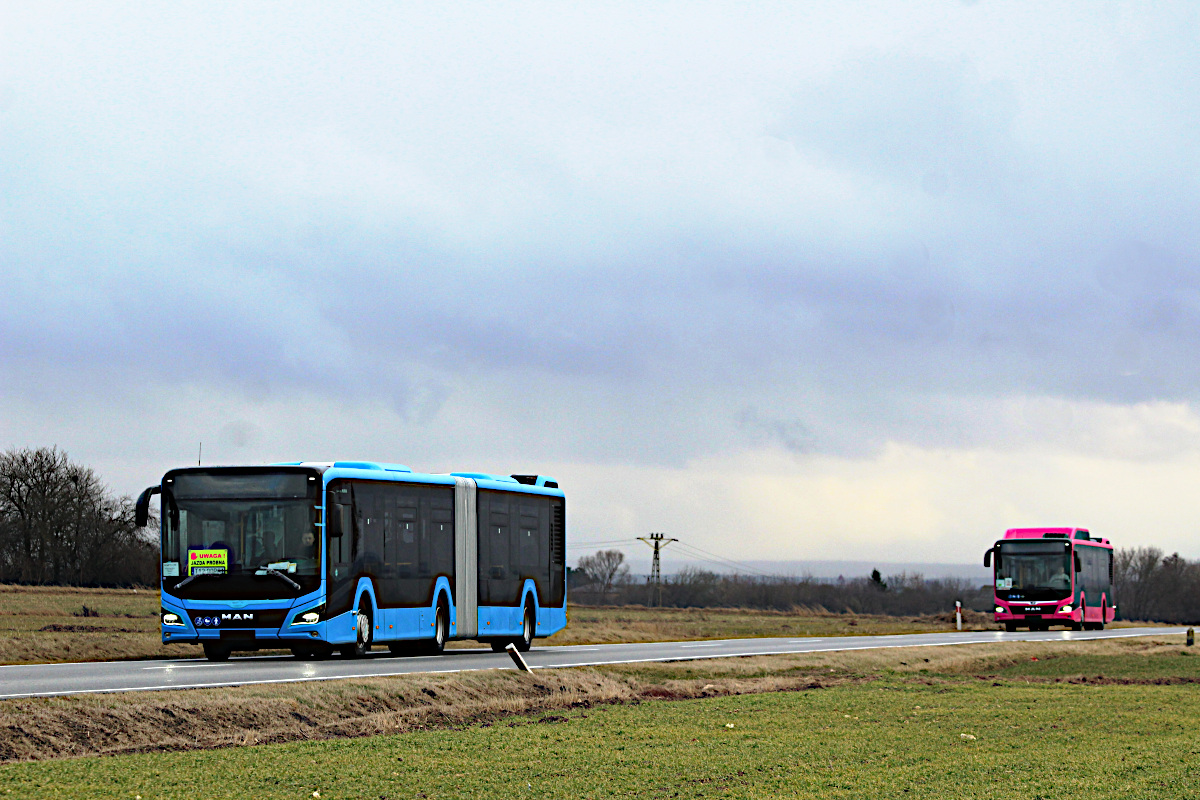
958,614
516,657
1191,637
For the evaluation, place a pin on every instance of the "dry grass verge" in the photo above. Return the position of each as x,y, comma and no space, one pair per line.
35,729
200,719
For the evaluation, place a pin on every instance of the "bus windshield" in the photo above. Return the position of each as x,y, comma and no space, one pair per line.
239,524
1035,568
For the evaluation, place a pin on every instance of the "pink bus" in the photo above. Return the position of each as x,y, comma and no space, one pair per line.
1052,576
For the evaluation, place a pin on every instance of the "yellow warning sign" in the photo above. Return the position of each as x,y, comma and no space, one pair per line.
208,562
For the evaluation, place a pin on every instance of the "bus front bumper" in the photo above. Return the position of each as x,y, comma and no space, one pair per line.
1060,615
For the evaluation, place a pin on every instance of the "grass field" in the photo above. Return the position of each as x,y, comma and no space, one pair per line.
43,624
1057,720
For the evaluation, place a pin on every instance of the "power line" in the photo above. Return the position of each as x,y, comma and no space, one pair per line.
576,545
718,557
719,560
691,550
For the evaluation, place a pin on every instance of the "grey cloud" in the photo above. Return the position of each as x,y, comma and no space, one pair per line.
398,226
791,434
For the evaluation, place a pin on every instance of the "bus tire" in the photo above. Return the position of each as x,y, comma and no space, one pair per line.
1082,625
1011,627
527,630
497,645
215,651
441,631
1103,616
362,635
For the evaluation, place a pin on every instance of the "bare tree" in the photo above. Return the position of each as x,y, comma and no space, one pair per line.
606,568
1138,592
59,525
693,587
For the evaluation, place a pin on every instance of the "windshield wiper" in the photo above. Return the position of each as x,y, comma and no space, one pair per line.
188,580
278,574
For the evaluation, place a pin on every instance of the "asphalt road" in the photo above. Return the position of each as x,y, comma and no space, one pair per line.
47,680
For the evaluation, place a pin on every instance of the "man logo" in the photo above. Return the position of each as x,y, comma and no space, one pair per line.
241,615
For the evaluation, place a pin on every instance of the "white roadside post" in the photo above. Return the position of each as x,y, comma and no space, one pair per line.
958,613
516,657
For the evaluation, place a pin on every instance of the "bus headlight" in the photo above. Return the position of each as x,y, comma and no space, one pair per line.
310,617
1001,609
171,618
1066,609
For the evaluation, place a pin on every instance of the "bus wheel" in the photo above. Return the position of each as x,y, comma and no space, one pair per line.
1099,626
526,641
441,632
1011,627
1082,625
215,651
362,637
497,646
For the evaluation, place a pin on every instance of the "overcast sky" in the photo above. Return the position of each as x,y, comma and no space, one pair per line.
792,281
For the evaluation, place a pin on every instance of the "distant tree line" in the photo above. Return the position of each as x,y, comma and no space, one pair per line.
60,525
903,594
1151,586
1148,586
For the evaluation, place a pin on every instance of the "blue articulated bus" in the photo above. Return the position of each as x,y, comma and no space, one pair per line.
324,557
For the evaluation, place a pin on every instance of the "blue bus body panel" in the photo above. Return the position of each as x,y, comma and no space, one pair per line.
336,472
506,621
513,486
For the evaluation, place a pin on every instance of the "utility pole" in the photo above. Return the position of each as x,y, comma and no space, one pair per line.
657,541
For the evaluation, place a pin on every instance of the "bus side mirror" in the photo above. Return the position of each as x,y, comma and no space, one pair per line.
987,557
1078,564
333,520
141,511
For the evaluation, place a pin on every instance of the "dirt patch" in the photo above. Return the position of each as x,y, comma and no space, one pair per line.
57,627
1097,680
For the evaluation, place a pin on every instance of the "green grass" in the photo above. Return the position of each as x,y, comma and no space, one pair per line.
1182,663
897,735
